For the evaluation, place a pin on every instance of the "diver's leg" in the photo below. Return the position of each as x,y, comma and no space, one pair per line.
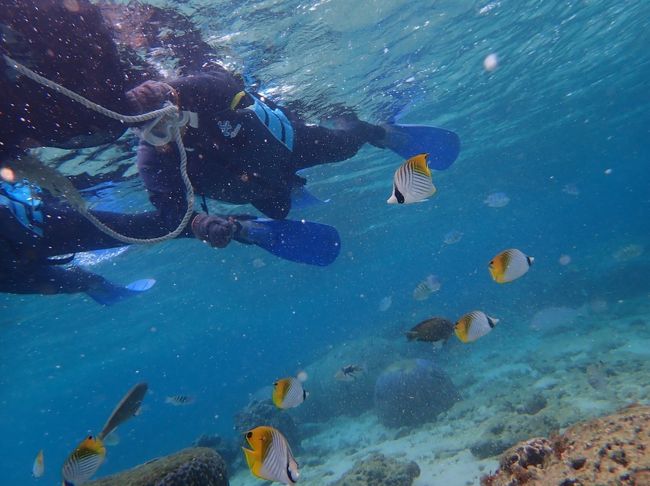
33,278
317,145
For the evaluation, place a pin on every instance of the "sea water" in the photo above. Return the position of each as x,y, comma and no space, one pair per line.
565,106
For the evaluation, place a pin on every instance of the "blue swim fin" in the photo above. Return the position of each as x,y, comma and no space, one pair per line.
297,241
301,198
442,145
109,294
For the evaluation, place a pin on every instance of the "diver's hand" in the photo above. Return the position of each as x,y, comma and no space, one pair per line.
216,231
149,96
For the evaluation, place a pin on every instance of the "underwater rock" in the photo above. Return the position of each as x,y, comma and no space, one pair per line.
228,449
533,405
197,465
329,397
411,392
614,449
265,413
380,470
488,448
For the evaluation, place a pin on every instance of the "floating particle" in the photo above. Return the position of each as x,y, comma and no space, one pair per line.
497,200
491,62
385,303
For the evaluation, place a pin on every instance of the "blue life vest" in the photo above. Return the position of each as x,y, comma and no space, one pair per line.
23,200
275,121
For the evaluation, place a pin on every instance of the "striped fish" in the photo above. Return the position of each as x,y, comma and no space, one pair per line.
179,400
412,181
288,393
474,325
509,265
425,288
270,456
84,461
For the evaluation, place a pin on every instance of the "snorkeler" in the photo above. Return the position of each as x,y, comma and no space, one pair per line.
247,149
26,263
36,229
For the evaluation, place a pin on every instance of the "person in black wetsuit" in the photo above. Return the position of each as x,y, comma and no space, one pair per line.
246,149
34,228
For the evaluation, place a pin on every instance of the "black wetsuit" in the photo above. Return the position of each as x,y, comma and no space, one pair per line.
235,157
69,43
35,227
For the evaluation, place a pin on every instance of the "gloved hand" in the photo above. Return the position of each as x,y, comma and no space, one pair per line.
149,96
214,230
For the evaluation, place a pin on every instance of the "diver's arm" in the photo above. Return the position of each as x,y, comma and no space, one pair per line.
161,176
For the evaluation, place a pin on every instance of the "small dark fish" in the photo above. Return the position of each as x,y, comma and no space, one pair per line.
349,373
127,408
431,330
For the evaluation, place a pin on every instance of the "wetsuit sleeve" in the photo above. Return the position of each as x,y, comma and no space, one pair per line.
162,178
67,231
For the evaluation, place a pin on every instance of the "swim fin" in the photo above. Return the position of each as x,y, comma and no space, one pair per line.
301,198
109,294
442,145
297,241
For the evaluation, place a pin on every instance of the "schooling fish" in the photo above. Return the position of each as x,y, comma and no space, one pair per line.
425,288
431,330
474,325
349,372
509,265
84,461
412,181
179,400
270,456
39,466
288,393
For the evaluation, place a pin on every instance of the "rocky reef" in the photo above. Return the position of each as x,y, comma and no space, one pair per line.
610,450
228,448
265,413
197,466
380,470
330,397
411,392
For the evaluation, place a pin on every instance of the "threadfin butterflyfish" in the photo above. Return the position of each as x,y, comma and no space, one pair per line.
288,393
474,325
509,265
83,462
270,456
39,465
412,181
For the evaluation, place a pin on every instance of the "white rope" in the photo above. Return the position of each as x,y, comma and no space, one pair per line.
170,112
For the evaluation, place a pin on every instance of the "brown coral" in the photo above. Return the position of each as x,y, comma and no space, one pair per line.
380,470
198,466
610,450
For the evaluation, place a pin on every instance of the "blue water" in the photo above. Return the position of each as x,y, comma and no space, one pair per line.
567,104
